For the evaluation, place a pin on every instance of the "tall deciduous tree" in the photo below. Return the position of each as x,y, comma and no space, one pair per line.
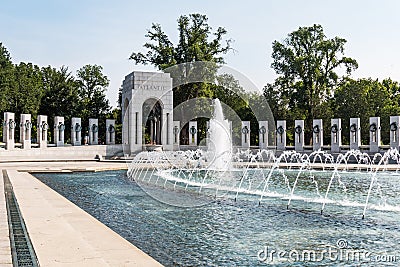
197,42
365,98
307,64
60,92
6,78
92,85
93,103
28,89
60,96
116,114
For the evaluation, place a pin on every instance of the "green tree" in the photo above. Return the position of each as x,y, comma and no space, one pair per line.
116,114
365,98
197,42
391,107
230,92
6,78
25,91
93,103
26,95
307,64
60,96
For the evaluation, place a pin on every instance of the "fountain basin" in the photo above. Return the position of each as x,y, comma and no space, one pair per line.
226,233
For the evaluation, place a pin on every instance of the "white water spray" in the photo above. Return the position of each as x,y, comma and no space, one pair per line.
220,142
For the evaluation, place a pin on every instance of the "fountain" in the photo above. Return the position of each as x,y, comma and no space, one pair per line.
220,142
353,179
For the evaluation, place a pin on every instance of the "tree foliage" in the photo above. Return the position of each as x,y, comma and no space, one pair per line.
27,88
92,84
6,77
60,95
313,81
307,64
193,45
197,42
365,98
116,114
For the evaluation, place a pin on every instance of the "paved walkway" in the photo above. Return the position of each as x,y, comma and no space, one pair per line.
64,166
62,234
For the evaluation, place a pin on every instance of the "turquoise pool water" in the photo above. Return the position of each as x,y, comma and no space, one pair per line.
227,233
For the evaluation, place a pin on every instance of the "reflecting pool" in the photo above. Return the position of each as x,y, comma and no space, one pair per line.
225,232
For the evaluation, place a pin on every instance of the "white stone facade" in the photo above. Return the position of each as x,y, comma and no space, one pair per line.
280,135
93,131
355,133
336,135
110,132
299,135
59,130
263,134
395,132
138,88
374,134
76,131
42,128
9,130
318,134
25,131
245,134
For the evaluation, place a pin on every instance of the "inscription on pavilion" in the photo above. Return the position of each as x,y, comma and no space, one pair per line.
152,87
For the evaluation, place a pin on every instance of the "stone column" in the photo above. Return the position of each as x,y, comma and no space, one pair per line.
281,135
263,134
192,133
299,135
176,132
355,133
76,132
135,129
167,125
125,124
93,131
394,132
25,131
374,134
110,132
59,129
42,128
318,137
9,130
245,134
336,135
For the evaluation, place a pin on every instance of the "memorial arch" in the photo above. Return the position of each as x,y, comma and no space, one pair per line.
147,111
